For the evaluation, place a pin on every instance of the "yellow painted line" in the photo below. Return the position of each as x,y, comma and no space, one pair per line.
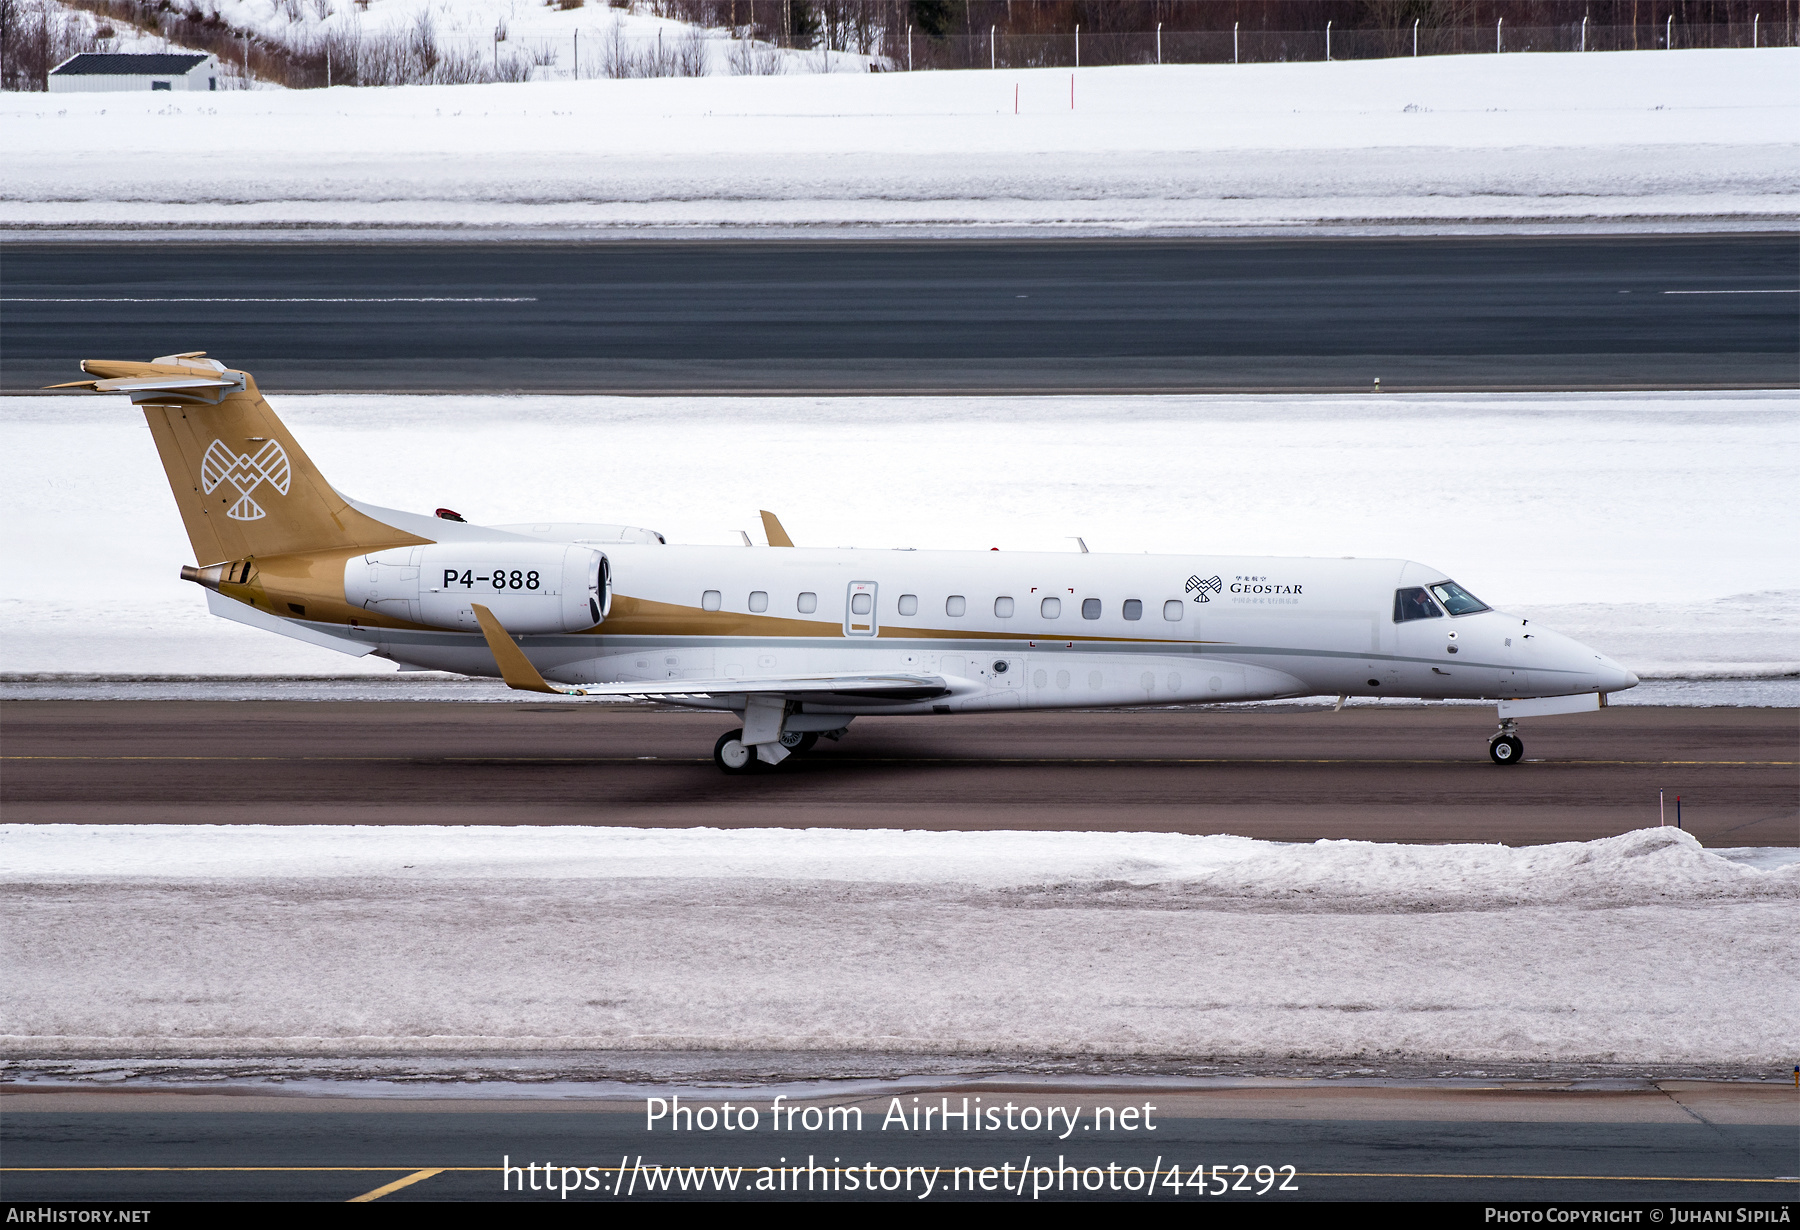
235,1169
416,1177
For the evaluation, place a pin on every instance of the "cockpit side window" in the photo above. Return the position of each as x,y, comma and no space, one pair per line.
1457,600
1414,603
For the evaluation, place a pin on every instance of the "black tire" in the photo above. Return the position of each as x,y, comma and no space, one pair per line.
1507,749
729,754
797,742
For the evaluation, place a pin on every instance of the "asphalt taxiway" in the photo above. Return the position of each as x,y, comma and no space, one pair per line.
1642,1140
1376,773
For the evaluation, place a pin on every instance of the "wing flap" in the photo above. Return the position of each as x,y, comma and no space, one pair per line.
897,688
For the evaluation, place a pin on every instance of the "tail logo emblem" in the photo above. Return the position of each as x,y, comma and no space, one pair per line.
246,473
1200,588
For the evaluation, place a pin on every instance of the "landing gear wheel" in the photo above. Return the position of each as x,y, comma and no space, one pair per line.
1506,749
798,741
733,755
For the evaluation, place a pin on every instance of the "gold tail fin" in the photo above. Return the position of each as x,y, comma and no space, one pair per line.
243,485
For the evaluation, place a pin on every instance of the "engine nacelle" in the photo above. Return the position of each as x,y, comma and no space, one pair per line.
531,587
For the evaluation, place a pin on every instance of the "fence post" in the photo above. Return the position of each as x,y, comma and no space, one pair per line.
328,68
1159,42
1234,47
909,49
1328,42
1416,38
577,74
1754,22
992,59
1077,45
1669,34
1498,27
1584,33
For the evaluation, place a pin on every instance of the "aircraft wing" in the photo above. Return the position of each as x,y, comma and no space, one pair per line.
522,676
897,688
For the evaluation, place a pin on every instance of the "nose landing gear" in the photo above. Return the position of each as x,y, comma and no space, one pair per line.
1505,747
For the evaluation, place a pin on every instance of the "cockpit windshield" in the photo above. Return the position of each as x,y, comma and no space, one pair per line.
1456,599
1414,603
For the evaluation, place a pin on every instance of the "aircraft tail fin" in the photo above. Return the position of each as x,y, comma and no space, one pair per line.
243,485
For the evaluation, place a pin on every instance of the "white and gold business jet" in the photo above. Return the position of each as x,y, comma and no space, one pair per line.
796,643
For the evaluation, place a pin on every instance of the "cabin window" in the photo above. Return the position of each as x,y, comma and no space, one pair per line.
1414,603
1174,609
759,600
1003,608
1051,608
709,601
861,604
909,604
1133,609
955,606
1456,599
1090,608
807,603
161,85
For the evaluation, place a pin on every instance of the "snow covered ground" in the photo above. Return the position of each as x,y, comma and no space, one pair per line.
1631,138
1658,527
325,941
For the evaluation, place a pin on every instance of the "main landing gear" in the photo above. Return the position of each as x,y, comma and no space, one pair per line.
1506,747
733,755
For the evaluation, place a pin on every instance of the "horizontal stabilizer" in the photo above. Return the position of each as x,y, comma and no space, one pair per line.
186,377
155,384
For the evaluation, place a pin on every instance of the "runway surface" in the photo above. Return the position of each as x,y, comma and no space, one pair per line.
1649,311
1680,1141
1370,773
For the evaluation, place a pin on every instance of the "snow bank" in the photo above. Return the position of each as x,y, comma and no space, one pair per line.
1641,510
341,941
1650,866
1628,137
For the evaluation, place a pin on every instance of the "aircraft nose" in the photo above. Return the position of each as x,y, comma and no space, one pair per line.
1615,678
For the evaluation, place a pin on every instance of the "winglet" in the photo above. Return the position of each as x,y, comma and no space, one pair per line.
777,536
515,667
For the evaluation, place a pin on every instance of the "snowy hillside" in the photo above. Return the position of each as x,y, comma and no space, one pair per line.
587,38
1645,139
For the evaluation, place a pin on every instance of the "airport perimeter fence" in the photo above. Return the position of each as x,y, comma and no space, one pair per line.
598,54
420,55
601,53
998,49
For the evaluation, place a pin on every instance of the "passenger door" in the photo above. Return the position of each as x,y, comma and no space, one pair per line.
861,617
